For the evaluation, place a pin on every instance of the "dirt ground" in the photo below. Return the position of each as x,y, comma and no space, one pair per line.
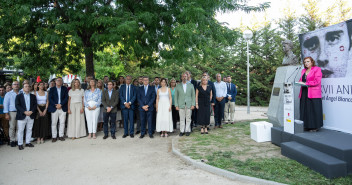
98,161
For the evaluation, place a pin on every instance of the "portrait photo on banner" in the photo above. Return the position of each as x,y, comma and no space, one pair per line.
331,48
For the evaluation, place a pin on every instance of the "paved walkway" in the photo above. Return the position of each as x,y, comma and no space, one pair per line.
120,161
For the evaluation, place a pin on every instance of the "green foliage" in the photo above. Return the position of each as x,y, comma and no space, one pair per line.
108,63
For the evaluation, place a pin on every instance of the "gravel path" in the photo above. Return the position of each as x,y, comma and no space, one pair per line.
120,161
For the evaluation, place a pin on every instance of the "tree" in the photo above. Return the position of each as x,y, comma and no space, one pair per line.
312,20
61,32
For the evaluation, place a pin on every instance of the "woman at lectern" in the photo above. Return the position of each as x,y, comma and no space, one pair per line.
311,110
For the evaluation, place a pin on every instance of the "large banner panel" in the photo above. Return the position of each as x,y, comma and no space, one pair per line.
330,47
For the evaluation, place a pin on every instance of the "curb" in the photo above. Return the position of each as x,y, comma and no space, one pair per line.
218,171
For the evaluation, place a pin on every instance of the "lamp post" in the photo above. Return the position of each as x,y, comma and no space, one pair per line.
247,35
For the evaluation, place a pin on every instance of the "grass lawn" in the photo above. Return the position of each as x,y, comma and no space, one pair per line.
232,149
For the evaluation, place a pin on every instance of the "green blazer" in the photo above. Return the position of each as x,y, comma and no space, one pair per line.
107,102
181,97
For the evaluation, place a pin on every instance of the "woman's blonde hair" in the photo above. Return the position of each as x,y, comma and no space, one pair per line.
204,78
95,84
102,84
172,79
73,84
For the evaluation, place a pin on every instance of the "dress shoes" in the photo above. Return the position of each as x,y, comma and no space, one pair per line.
54,140
105,137
13,144
188,133
151,136
113,137
132,136
138,132
20,147
29,145
125,135
181,134
61,139
141,136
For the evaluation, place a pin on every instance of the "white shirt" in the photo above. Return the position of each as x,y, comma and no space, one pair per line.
128,92
221,89
184,87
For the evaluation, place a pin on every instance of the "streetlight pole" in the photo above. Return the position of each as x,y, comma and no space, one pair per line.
247,35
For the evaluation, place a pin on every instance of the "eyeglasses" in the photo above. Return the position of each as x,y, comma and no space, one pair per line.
308,61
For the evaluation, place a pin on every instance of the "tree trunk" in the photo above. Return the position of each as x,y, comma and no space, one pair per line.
88,51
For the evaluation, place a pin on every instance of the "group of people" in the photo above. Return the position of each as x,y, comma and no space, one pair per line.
44,110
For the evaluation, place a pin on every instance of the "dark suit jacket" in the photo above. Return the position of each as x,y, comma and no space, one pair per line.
146,99
107,102
195,84
54,99
20,104
232,92
123,98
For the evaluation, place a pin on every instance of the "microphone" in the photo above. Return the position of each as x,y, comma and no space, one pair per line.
293,73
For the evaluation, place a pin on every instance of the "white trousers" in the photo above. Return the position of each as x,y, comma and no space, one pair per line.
61,116
185,120
21,124
229,111
12,126
92,119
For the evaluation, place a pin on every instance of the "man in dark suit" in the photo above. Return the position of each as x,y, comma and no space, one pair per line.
58,98
156,87
26,105
146,98
110,98
230,101
127,98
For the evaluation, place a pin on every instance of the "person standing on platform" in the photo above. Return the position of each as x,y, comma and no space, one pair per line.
58,99
110,99
311,109
146,98
41,128
185,103
26,105
163,109
10,111
203,102
221,93
127,99
76,126
230,101
92,101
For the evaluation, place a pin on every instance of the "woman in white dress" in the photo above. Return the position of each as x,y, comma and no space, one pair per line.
76,126
164,122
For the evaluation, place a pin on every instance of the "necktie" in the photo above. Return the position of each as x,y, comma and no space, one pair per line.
128,93
145,91
230,87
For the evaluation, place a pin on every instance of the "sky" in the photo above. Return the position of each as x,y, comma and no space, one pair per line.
275,12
